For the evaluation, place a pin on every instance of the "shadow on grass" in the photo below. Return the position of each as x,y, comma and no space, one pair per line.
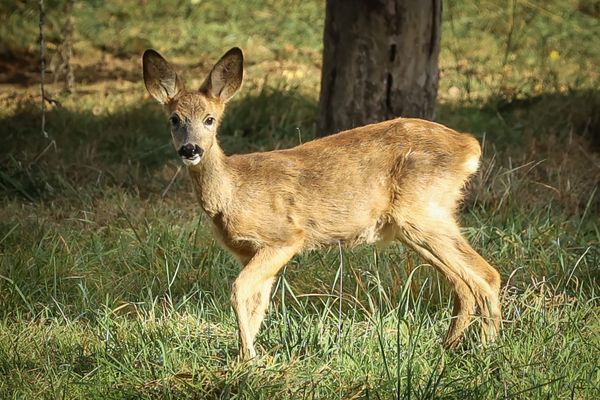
120,148
507,122
22,68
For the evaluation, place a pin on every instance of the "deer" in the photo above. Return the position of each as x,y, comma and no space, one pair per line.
398,180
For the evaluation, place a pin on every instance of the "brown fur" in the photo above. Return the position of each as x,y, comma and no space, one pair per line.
395,180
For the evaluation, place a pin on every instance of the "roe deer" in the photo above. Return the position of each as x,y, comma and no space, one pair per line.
395,180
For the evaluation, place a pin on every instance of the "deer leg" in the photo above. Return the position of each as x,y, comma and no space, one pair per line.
462,313
490,305
251,289
469,275
261,303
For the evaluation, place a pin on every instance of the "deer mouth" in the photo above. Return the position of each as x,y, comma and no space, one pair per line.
193,160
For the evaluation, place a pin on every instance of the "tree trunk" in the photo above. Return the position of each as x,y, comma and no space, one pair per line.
379,62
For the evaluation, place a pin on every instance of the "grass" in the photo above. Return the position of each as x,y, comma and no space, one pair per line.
111,285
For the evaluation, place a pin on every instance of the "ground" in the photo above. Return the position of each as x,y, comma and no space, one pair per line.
111,285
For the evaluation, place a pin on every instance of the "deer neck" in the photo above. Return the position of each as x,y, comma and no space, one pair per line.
212,181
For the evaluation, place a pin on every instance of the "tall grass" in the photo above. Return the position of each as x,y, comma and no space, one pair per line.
111,312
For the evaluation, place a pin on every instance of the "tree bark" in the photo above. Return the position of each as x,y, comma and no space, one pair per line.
380,61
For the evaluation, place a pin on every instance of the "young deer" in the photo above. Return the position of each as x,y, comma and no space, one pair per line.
394,180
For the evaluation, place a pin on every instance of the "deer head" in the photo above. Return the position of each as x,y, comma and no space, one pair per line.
194,115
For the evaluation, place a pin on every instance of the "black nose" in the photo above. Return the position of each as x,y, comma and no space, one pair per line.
190,150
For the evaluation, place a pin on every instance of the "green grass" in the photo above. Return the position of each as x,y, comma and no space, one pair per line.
111,285
109,312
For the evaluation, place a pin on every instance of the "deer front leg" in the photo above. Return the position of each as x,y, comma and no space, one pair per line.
251,289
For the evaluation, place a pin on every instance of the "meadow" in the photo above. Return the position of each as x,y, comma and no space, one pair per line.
112,287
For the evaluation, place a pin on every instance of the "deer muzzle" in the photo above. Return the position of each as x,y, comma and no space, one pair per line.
190,153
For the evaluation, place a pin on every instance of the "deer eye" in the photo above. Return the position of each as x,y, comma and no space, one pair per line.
209,121
174,120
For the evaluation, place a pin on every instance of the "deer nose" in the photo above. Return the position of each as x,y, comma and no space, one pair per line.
190,150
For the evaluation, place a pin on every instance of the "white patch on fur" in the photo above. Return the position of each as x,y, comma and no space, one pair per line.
436,211
472,164
191,161
369,235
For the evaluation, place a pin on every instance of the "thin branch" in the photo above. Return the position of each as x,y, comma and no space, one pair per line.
164,192
511,30
43,67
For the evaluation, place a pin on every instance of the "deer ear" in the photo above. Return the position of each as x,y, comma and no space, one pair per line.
226,76
160,78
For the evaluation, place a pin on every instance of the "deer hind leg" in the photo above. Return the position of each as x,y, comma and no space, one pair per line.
489,304
250,293
464,308
473,280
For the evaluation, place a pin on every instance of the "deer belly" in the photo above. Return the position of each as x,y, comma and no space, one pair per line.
351,233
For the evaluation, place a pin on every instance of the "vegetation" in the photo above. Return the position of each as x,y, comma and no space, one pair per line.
111,285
